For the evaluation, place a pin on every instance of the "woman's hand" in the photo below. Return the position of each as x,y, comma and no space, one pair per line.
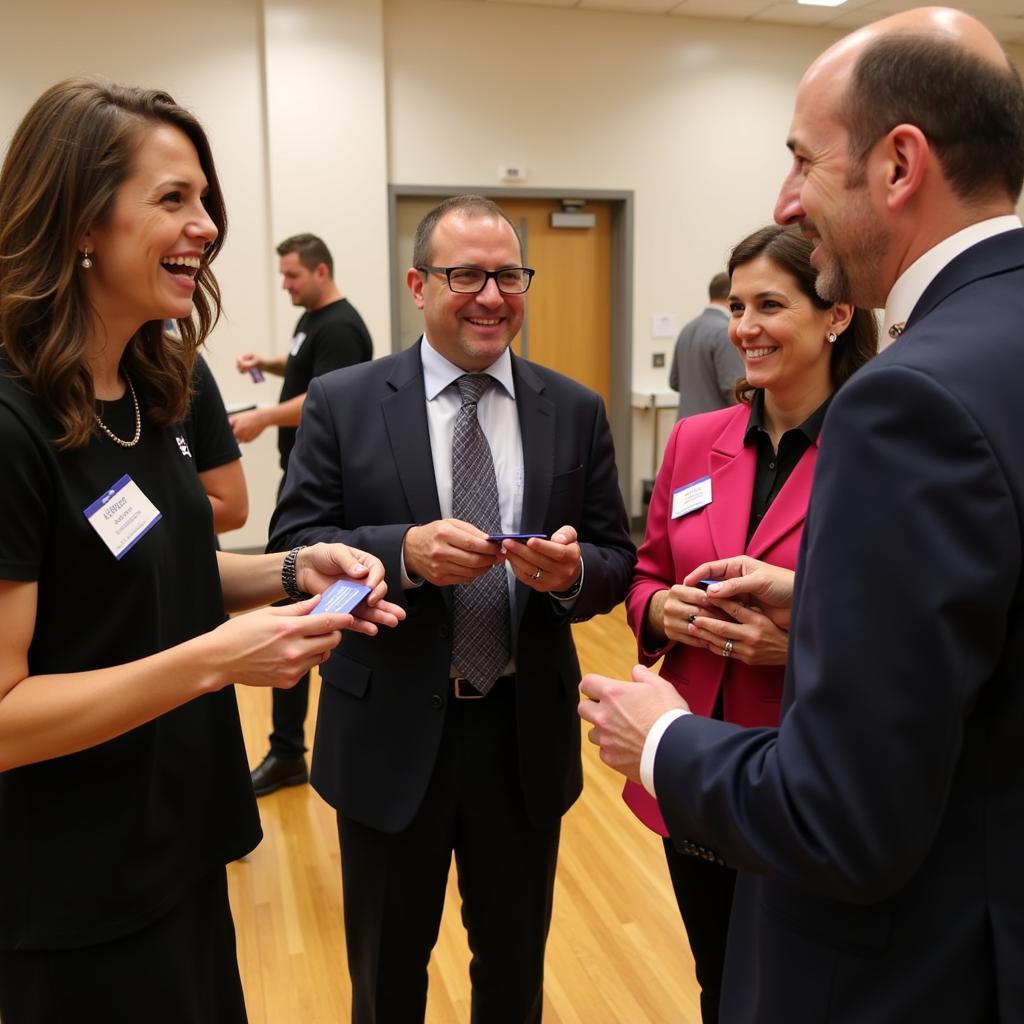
739,631
277,646
320,565
760,585
671,611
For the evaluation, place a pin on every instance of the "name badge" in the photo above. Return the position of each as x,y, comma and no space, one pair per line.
122,516
297,343
691,496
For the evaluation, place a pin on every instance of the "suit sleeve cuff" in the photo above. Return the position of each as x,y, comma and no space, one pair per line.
650,750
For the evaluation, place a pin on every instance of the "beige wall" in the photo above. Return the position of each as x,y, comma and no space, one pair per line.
314,106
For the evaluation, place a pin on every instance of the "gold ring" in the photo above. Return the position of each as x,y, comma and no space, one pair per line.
536,575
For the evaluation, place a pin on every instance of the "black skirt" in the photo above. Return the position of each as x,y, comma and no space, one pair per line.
181,968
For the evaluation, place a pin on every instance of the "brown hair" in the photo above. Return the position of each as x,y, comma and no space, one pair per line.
471,206
718,287
788,250
311,250
970,108
69,155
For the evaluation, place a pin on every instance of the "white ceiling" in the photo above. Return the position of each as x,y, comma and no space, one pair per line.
1004,17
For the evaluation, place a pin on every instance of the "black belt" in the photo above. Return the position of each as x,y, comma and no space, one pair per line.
463,689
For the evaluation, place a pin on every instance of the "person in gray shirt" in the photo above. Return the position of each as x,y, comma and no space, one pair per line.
706,366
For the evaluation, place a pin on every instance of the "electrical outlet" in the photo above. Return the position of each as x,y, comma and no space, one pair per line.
658,360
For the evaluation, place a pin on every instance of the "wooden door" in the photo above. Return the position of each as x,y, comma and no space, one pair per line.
568,315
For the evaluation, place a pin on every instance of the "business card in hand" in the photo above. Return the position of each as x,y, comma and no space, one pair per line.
340,597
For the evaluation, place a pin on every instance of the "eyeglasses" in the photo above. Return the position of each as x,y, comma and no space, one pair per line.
470,280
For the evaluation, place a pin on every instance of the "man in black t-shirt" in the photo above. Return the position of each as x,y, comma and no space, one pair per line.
328,336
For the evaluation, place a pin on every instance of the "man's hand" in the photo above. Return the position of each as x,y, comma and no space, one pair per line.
449,551
767,587
546,565
622,713
248,361
248,425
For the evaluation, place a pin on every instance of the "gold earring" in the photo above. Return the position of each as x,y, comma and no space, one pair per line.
86,262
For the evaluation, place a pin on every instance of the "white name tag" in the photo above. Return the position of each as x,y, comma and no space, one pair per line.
690,497
122,516
297,343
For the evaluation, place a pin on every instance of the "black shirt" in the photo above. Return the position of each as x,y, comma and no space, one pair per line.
207,427
324,340
99,843
774,468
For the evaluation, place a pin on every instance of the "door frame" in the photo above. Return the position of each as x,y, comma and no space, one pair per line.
620,415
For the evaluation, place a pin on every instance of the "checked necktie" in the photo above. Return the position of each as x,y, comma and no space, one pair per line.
480,646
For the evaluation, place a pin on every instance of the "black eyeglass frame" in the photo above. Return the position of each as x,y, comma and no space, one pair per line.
488,274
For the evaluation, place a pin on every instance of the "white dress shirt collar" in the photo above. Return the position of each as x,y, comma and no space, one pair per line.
911,284
439,373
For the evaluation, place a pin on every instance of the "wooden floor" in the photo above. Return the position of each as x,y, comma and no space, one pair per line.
617,953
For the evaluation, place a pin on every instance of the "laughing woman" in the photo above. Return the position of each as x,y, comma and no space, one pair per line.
124,788
733,482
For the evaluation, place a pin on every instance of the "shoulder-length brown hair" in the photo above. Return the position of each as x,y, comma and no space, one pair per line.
69,155
791,252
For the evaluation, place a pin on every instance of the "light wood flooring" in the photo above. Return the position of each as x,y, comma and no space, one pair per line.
617,953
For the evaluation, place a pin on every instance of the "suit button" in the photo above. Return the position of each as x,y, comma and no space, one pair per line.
436,701
445,631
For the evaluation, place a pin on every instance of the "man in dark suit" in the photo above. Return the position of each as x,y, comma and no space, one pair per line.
879,831
705,364
461,736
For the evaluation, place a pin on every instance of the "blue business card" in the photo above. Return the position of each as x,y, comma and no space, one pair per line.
341,597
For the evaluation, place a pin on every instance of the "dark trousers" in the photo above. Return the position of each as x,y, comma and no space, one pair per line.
289,716
704,894
180,968
289,707
394,885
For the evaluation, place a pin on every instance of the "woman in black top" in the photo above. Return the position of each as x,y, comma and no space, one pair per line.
124,787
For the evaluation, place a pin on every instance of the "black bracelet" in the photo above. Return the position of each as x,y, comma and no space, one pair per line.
288,581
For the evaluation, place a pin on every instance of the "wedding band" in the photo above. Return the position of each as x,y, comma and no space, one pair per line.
536,575
727,650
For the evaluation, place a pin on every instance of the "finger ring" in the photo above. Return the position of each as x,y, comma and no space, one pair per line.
691,618
536,575
727,650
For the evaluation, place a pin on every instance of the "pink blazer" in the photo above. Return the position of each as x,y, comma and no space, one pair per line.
712,445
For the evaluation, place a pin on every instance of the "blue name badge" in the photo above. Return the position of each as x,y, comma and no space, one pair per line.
691,497
340,597
122,516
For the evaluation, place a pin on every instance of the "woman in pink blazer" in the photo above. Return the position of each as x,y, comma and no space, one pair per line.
737,481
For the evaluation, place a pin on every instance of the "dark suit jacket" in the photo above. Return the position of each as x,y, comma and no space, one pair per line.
882,824
362,473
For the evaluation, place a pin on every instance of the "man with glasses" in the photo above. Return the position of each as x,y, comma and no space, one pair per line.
879,831
458,734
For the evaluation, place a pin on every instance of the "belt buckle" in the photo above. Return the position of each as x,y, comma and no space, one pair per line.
470,692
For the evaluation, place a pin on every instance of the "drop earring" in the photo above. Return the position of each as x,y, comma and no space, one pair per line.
86,261
831,337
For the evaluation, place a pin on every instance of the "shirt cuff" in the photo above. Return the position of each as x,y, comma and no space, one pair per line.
408,583
650,750
567,598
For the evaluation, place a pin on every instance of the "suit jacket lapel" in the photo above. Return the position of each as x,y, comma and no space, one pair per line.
991,256
731,466
789,509
405,419
537,427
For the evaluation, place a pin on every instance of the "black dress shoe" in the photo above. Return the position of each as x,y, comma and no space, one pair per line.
273,772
